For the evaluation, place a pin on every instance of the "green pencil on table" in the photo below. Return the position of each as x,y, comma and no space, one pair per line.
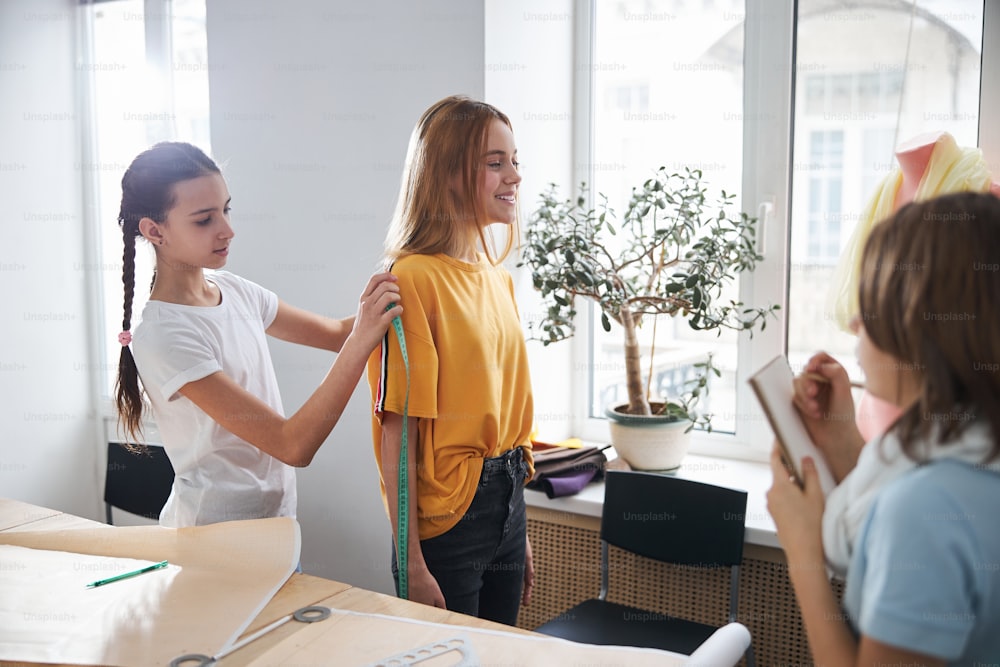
126,575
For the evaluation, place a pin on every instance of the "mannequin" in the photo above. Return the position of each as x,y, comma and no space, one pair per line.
913,157
930,164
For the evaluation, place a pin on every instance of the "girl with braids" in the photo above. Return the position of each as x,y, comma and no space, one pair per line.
912,520
201,355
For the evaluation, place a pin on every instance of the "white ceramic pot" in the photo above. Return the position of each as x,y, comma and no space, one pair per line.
652,442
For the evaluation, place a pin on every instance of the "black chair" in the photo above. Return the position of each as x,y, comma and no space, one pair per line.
670,520
137,481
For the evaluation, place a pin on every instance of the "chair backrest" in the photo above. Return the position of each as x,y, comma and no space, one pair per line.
137,482
674,520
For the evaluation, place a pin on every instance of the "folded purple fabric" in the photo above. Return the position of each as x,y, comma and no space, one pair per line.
567,484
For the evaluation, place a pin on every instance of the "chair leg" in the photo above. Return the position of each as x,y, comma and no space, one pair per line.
750,659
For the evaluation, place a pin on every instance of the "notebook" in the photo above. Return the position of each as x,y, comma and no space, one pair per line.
773,385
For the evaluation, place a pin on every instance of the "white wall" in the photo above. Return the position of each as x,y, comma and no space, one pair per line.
311,110
312,106
48,449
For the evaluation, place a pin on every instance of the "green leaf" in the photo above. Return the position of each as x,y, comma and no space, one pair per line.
697,298
605,322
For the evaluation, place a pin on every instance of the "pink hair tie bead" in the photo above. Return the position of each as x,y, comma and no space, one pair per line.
125,338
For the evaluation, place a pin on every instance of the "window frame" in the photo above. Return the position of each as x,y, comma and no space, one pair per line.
769,47
157,28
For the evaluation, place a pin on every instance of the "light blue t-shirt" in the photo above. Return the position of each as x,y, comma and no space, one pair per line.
925,574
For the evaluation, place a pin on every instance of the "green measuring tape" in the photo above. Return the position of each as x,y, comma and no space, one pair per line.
403,492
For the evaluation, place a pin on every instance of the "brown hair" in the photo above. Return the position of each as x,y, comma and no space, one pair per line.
430,216
147,192
930,280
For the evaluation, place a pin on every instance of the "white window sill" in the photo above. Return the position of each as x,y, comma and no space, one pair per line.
750,476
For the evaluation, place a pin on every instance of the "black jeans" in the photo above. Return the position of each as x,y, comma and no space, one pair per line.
479,563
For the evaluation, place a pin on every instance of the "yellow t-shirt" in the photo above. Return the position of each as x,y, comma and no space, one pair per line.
469,382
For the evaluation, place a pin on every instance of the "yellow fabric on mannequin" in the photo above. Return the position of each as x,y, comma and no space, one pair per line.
951,169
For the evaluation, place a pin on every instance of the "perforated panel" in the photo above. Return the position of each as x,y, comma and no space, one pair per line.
567,572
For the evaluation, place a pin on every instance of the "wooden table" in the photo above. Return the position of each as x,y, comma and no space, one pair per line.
299,591
305,590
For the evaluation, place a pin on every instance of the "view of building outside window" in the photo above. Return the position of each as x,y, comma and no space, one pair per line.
859,94
668,90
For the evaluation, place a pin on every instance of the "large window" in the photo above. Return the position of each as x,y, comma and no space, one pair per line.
870,75
665,96
797,108
147,78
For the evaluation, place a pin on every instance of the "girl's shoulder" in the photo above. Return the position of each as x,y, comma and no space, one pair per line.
419,261
941,486
412,264
429,267
230,282
444,264
228,279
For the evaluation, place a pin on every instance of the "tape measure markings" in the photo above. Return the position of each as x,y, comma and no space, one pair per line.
403,492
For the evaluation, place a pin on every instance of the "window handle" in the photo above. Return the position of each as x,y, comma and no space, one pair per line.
765,209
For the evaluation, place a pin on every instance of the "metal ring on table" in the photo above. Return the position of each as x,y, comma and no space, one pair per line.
304,615
311,614
192,660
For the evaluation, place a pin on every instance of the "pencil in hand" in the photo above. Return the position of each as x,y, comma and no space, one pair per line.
820,378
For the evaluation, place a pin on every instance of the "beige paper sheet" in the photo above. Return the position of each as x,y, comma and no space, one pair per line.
14,514
349,639
222,575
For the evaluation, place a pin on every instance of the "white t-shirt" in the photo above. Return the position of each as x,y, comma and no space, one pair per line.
219,477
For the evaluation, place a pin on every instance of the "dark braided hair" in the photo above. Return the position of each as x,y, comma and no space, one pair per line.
147,192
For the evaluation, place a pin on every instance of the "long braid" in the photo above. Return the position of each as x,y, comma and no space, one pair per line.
147,192
128,394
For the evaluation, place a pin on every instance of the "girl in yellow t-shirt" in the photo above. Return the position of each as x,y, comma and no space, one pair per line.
470,403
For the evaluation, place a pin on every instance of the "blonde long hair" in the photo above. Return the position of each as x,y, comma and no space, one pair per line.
431,216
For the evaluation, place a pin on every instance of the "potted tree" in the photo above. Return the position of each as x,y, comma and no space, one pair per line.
672,253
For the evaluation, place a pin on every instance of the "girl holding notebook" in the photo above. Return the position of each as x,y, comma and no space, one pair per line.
911,522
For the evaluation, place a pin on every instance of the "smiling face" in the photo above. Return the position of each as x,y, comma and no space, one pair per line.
498,175
196,232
